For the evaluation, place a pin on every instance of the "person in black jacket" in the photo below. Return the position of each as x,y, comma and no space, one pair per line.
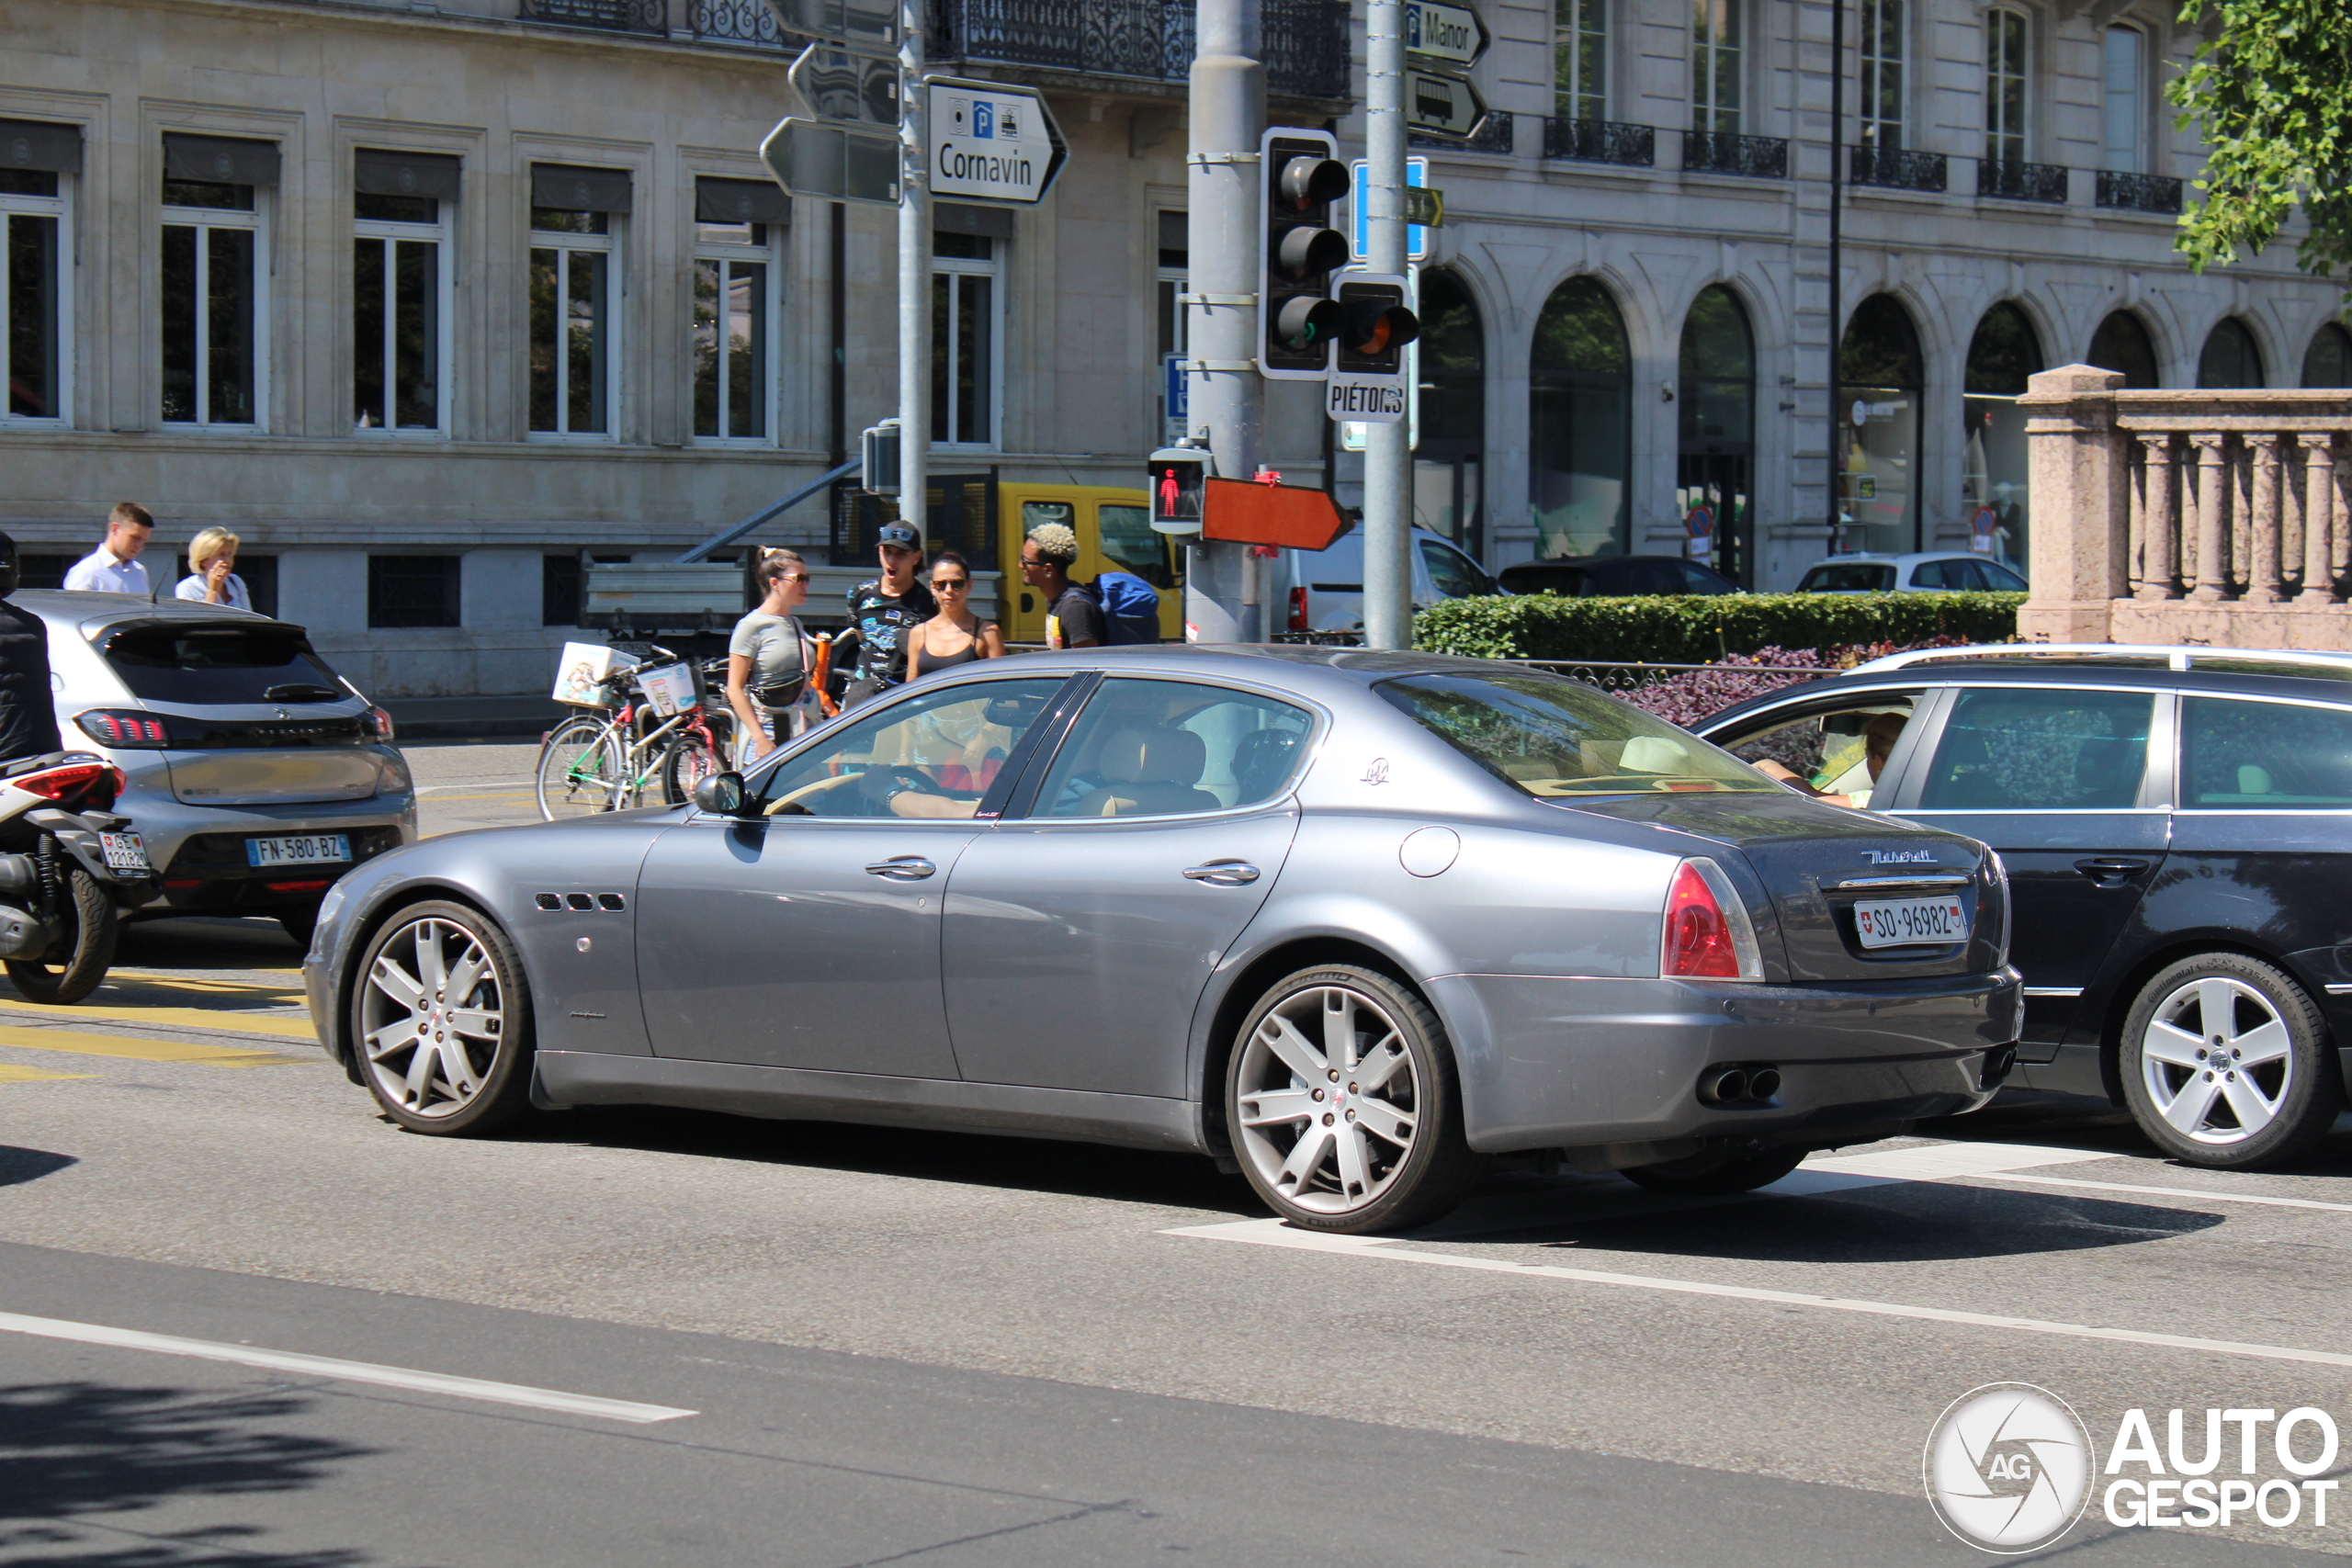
28,714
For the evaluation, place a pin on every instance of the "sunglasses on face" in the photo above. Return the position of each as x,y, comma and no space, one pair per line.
942,585
793,577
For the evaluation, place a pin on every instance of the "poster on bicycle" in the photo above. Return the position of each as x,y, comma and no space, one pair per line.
580,674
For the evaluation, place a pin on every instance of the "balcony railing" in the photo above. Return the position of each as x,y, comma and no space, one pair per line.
2138,193
2014,181
1897,168
1496,133
1150,40
1600,141
1727,152
613,15
740,21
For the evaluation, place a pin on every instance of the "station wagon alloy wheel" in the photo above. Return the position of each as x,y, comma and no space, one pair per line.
440,1022
2224,1063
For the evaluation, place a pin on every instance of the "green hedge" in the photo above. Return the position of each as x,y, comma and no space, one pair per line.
1695,630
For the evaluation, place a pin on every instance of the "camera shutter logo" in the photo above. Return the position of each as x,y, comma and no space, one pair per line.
2008,1468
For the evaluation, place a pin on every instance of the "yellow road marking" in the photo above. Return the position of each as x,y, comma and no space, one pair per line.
9,1073
74,1043
169,982
287,1026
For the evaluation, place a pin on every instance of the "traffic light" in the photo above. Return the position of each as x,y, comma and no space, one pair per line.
1368,384
877,449
1176,478
1298,250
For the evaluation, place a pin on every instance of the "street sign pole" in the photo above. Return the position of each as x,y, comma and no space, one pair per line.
1387,456
914,280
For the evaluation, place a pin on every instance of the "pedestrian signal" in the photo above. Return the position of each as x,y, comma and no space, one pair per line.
1177,477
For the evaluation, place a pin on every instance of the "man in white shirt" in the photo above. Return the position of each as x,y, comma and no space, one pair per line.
114,567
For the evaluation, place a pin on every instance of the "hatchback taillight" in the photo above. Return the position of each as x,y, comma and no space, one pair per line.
1708,936
1298,610
124,728
381,723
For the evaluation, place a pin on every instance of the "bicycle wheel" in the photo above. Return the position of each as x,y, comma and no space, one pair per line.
580,769
689,762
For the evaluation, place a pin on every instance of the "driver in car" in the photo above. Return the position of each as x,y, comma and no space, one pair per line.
1850,785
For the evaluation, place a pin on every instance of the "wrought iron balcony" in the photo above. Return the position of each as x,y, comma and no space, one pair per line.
1897,168
2014,181
740,21
613,15
1600,142
2138,193
1305,44
1725,153
1495,133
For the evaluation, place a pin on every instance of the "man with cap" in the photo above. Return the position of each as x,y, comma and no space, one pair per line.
28,714
883,611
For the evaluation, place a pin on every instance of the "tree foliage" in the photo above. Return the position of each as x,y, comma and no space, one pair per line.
2271,94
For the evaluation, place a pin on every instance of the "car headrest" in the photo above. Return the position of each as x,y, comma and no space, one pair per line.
1153,756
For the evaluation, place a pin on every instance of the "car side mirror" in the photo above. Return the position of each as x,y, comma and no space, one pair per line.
721,795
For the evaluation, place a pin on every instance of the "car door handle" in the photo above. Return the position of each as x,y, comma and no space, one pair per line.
2111,870
1224,873
902,868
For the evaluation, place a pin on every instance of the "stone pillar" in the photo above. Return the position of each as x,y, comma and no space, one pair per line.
2160,529
2213,513
2319,513
2080,502
2261,570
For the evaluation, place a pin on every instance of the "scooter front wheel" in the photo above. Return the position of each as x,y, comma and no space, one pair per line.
84,953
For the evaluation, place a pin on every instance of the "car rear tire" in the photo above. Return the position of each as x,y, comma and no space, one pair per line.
440,1020
85,952
1344,1107
2226,1062
1716,1172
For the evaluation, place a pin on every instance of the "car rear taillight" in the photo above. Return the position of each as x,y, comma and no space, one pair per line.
1708,936
381,722
125,727
56,784
1298,609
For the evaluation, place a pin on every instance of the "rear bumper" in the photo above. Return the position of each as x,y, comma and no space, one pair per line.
1578,1063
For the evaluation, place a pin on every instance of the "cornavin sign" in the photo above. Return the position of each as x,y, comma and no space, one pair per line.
990,142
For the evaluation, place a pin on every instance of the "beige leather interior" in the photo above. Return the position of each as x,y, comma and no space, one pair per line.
1150,772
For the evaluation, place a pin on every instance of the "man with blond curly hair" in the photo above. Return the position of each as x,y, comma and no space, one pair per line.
1073,614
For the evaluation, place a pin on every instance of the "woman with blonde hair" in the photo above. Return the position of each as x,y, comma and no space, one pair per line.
211,556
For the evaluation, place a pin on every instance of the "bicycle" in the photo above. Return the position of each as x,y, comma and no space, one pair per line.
589,764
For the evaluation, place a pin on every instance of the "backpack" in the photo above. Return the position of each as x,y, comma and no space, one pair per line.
1130,608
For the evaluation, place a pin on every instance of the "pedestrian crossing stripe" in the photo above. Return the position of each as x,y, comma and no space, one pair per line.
274,1024
11,1073
75,1042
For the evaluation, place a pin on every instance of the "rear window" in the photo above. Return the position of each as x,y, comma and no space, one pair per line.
2265,756
221,664
1848,577
1550,738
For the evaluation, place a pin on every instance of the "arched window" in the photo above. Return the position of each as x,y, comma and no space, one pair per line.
2122,344
2004,352
1579,429
1881,375
2328,361
2231,361
1714,464
1449,460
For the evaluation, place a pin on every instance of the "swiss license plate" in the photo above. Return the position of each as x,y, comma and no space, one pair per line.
1902,922
124,852
302,848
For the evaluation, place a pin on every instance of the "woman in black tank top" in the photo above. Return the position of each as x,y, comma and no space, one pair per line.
954,636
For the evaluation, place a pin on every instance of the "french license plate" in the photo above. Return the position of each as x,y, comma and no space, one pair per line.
1901,922
303,849
125,851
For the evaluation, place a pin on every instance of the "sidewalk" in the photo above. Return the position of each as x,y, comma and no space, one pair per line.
524,717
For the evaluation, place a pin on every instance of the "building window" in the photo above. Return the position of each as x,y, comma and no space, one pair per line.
2005,87
966,320
400,291
35,158
1449,455
2122,344
1716,448
2123,106
1994,469
1715,65
575,306
1881,125
733,334
1581,394
1168,294
1580,59
215,316
413,591
2232,360
1880,379
2327,363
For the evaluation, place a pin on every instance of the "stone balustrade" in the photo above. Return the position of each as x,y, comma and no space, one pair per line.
2176,516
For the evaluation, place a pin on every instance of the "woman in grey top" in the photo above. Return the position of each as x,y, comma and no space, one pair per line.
767,658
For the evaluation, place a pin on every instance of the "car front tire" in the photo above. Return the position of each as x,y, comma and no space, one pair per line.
1344,1107
2227,1062
440,1021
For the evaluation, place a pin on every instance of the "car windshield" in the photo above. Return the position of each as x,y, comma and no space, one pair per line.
1848,577
221,664
1551,737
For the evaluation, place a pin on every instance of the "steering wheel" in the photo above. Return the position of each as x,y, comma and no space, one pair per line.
914,779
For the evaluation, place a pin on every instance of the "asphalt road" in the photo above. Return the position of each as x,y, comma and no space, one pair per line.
867,1346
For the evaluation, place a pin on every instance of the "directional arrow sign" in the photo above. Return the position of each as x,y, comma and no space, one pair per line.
1450,36
832,163
848,85
1442,105
873,23
991,141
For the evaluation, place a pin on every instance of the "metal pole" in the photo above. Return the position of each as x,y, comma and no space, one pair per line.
1228,398
1387,454
915,281
1837,427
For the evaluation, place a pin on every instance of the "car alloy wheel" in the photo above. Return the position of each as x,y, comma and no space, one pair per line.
441,1021
1342,1104
2223,1063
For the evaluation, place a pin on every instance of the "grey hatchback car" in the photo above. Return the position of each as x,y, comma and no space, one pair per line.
1355,921
255,774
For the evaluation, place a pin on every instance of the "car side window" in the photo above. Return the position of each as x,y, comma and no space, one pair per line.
2000,578
2265,756
1164,748
1848,576
1453,573
1936,574
2040,749
1834,751
934,754
1698,579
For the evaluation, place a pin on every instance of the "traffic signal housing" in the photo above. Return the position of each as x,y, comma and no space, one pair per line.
1370,373
1298,180
1176,477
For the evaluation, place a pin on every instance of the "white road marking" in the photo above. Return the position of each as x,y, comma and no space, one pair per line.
2173,1191
342,1371
1274,1232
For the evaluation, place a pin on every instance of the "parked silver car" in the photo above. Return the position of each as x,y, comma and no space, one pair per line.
1354,920
255,774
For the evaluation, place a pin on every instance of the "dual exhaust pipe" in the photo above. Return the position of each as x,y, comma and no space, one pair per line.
1740,1085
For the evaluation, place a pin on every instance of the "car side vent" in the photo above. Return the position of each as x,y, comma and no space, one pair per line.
580,900
611,901
551,900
